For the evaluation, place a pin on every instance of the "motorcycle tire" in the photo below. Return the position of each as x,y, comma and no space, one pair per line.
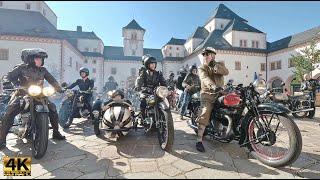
167,142
295,141
300,115
40,143
65,112
312,113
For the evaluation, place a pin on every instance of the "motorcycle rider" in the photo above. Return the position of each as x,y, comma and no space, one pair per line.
171,82
211,76
148,80
84,84
111,84
25,74
183,73
191,83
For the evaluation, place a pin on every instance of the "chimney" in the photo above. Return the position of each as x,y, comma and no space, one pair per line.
79,28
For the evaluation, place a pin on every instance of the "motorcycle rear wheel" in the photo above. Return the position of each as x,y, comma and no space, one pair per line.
166,141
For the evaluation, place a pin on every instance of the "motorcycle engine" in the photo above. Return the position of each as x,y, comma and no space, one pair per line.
24,124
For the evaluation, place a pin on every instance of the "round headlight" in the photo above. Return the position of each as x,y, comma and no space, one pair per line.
162,92
48,91
34,90
260,86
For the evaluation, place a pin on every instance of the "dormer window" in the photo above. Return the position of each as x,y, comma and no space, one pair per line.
1,3
243,43
170,47
28,6
221,26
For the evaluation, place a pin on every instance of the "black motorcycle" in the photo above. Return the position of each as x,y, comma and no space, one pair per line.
302,104
240,116
33,120
158,116
74,100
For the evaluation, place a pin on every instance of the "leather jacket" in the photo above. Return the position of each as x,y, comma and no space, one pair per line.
147,82
25,75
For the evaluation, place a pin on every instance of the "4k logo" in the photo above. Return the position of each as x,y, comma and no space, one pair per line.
17,166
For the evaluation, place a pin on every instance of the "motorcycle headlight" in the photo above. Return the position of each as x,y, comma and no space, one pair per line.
69,93
162,92
48,91
34,90
260,86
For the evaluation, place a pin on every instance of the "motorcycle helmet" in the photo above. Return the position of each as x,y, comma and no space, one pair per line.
28,55
117,93
85,70
191,68
183,71
148,59
171,75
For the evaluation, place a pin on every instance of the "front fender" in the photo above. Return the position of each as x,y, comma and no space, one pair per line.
41,108
276,108
164,105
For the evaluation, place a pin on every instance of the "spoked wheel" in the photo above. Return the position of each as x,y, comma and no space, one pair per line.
166,130
300,114
65,112
40,135
277,143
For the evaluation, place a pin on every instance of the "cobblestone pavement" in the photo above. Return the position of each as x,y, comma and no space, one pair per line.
137,155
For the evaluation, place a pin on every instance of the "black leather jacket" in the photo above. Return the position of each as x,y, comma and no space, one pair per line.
25,75
83,85
146,82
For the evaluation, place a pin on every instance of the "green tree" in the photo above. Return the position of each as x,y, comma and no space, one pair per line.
304,61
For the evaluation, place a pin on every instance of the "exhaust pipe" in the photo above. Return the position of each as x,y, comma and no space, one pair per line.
303,110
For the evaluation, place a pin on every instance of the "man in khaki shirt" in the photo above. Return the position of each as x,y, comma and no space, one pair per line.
211,76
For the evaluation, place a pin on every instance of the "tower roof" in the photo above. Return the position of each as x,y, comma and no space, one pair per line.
133,25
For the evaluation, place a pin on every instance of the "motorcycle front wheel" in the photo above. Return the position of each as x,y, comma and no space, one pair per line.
65,112
40,135
166,130
277,143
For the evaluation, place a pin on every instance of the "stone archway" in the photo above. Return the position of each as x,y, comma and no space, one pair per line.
274,81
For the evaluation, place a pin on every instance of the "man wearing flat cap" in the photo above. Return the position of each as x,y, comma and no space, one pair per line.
211,76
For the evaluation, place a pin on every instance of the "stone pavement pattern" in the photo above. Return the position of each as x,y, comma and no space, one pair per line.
137,155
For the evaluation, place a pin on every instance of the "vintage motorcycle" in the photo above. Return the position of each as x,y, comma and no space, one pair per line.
33,120
158,115
239,115
113,116
73,100
302,104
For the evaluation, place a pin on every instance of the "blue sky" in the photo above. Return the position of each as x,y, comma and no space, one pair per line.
166,19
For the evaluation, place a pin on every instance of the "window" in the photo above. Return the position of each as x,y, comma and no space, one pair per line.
86,61
291,63
94,61
113,70
94,70
170,47
257,44
275,65
170,54
252,44
237,65
86,49
177,48
263,67
28,6
177,55
272,66
278,64
134,36
1,3
133,71
4,54
70,61
243,43
221,26
133,52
